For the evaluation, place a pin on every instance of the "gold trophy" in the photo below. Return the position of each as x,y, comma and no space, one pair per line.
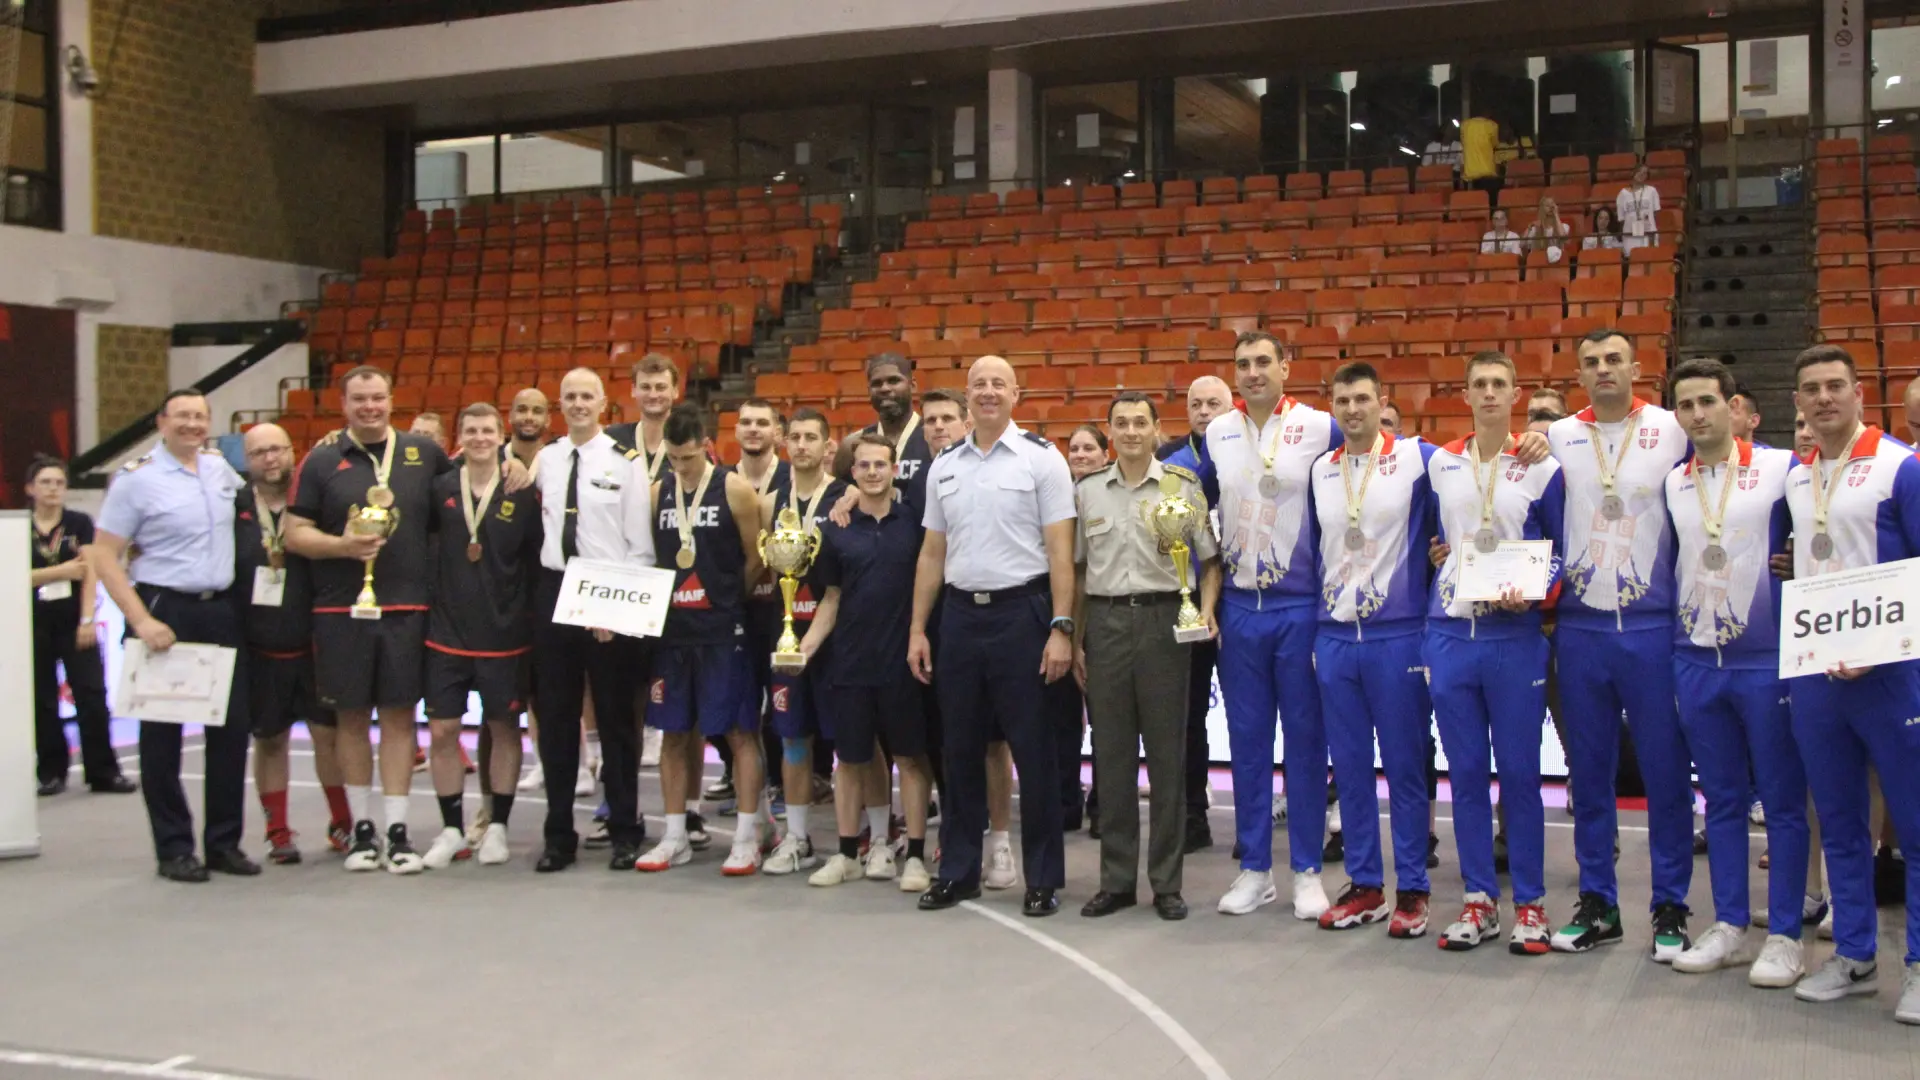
789,550
377,518
1173,519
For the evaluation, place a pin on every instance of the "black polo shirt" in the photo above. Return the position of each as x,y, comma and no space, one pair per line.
74,532
872,562
287,629
333,480
483,608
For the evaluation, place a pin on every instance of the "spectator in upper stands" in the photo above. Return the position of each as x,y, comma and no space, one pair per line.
1439,152
1479,137
1500,240
1638,206
430,425
1512,146
1390,418
1548,233
1604,231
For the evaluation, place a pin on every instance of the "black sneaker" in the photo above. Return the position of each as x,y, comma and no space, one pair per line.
1670,937
598,837
698,838
1336,849
1595,922
1889,878
364,855
1699,841
721,789
1433,850
401,858
1500,853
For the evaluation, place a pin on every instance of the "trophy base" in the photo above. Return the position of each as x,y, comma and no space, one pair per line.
1191,634
364,611
789,663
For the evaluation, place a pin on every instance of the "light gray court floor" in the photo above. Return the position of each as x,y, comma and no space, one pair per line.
308,972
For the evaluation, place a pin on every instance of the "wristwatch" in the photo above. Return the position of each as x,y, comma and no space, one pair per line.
1062,624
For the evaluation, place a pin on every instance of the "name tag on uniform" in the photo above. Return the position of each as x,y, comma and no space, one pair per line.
269,586
947,484
1636,227
55,590
1099,527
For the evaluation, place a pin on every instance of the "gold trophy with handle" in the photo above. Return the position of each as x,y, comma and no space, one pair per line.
789,551
377,518
1173,519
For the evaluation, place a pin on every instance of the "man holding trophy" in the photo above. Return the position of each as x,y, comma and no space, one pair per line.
359,510
1137,518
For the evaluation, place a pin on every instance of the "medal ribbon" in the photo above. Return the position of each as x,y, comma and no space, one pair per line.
654,461
271,527
1715,523
1272,450
1609,472
680,503
806,507
766,479
49,546
1823,483
900,444
383,468
1346,480
1485,488
469,509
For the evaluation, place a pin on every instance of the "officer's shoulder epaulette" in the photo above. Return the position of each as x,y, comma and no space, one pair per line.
1098,474
1180,471
1036,438
143,459
624,450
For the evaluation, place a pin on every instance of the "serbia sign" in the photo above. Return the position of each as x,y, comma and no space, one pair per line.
1859,618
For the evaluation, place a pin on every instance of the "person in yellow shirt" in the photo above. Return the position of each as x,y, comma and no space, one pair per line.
1479,138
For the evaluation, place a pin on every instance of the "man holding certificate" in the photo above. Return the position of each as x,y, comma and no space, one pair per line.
593,505
1855,503
1373,508
1486,655
1729,511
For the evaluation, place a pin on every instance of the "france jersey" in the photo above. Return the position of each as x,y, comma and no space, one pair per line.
1615,540
1727,603
1374,580
1266,534
1528,504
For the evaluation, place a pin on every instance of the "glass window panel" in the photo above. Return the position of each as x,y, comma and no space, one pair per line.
30,76
822,149
1774,78
453,169
661,151
1216,125
1092,133
554,160
29,150
1896,68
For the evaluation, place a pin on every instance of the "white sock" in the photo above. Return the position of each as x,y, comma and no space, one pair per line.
999,839
797,821
593,747
360,801
395,807
877,824
677,828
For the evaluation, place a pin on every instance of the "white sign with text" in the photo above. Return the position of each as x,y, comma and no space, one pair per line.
1857,617
621,597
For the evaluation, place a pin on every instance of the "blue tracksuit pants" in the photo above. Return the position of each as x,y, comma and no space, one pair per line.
1737,719
1368,689
1601,673
1841,728
1266,673
1490,700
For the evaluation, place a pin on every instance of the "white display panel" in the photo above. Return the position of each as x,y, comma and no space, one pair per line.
19,825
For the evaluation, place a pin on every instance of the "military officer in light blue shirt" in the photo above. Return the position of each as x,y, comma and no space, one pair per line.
999,539
176,506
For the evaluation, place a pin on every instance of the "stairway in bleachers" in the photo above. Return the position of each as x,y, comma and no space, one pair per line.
1746,299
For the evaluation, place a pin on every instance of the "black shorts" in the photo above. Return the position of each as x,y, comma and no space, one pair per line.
501,682
892,713
364,663
280,692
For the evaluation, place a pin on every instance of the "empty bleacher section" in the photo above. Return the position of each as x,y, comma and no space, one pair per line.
1093,289
1867,251
474,305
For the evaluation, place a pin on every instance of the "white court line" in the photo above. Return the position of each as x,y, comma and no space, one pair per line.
1171,1028
168,1069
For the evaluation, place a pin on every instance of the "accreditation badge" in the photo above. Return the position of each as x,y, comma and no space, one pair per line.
269,586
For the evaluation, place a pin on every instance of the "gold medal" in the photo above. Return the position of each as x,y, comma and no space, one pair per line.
684,514
684,558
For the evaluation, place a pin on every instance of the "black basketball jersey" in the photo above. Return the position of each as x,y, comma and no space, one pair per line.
709,597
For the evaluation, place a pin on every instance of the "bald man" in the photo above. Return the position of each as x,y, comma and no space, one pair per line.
1207,398
279,655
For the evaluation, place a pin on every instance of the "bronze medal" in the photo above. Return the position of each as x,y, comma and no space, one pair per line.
276,559
380,495
473,552
684,558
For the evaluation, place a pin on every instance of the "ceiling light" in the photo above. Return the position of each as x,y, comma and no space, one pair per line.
1357,126
1456,123
1409,151
1893,80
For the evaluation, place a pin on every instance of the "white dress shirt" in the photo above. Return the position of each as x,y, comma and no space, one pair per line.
613,507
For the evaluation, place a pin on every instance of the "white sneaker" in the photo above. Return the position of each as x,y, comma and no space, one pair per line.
1839,977
793,855
1825,930
1000,871
493,846
1756,814
839,870
650,739
1723,945
1251,891
365,854
1280,809
1782,961
1333,818
583,784
1908,1011
744,858
914,877
448,846
664,854
536,780
1309,896
401,858
880,864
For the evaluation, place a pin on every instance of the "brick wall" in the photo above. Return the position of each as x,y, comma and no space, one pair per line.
186,155
132,373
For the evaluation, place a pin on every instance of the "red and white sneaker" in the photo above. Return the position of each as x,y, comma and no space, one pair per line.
340,836
1409,915
1357,906
1479,920
1530,936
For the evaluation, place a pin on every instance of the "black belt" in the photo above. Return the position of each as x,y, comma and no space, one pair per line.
1035,587
198,596
1142,599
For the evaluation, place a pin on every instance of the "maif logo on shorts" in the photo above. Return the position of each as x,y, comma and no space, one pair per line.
781,696
657,693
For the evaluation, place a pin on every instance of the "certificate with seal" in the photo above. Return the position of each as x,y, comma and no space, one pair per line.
187,684
1859,618
1523,564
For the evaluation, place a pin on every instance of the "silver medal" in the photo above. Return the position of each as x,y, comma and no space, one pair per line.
1714,558
1822,546
1355,538
1486,541
1269,485
1613,508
